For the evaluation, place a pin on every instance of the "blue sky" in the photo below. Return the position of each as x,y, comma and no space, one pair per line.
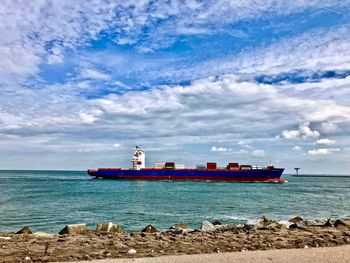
82,83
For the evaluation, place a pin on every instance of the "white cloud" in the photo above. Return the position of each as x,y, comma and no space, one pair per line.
325,141
290,135
116,145
94,74
304,132
323,151
296,148
258,153
90,116
218,149
328,127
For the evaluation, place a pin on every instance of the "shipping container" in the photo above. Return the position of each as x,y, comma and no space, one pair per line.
179,166
211,166
159,165
201,167
169,165
245,167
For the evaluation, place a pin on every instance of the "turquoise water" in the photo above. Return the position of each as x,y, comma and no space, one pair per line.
48,200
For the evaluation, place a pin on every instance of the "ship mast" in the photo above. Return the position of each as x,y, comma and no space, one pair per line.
138,160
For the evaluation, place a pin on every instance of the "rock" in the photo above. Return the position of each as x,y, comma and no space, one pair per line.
73,229
109,227
317,222
42,234
263,223
274,225
285,223
228,227
216,223
150,229
132,251
340,222
5,238
249,226
292,226
295,220
207,226
216,250
27,258
25,230
179,226
328,223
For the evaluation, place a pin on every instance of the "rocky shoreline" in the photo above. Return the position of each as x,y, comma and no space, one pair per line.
108,240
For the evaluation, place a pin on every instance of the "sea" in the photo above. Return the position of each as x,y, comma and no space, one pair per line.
49,200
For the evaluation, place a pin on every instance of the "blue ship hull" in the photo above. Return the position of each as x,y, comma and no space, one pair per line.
254,175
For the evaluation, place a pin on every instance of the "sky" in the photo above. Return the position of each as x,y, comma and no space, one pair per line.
254,82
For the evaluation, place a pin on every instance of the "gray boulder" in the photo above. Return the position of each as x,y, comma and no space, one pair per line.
342,222
150,229
263,223
207,226
317,222
295,220
42,234
25,230
216,222
179,226
109,227
73,229
227,227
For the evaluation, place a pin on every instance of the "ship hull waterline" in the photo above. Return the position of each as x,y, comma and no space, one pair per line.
258,175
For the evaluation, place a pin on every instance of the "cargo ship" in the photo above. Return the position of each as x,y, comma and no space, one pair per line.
233,172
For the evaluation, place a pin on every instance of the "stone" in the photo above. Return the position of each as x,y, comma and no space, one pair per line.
73,229
295,220
317,222
150,229
132,251
285,223
25,230
249,226
5,238
340,222
179,226
216,223
207,226
109,227
263,223
228,227
42,234
328,223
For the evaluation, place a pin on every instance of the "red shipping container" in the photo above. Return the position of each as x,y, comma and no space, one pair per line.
211,166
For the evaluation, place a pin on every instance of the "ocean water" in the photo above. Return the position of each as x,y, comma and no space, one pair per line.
48,200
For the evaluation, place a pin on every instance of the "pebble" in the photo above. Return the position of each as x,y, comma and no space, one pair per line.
5,238
132,251
27,258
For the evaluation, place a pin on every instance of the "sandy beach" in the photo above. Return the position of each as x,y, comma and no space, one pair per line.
339,254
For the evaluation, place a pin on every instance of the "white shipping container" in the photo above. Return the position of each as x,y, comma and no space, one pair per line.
179,166
159,165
